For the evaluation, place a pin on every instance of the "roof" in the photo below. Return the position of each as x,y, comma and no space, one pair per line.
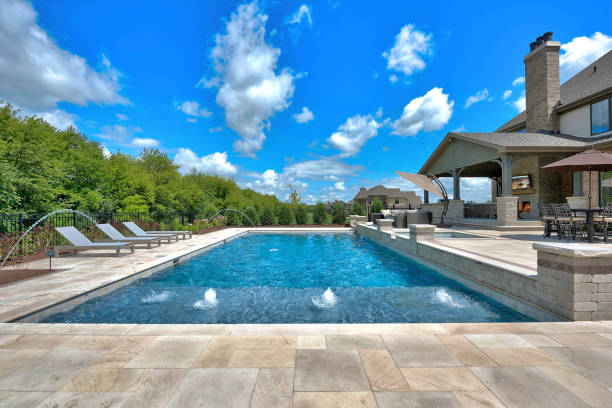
586,84
381,190
521,142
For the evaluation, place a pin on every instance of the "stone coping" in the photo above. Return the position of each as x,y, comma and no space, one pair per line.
577,250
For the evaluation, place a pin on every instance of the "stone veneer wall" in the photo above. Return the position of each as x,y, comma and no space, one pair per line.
455,210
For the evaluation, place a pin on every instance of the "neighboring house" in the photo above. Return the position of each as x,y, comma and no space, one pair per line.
559,120
390,197
347,206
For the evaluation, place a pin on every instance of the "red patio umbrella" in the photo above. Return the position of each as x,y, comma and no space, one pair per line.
588,160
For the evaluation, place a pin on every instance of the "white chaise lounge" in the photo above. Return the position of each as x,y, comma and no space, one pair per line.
81,242
117,236
139,232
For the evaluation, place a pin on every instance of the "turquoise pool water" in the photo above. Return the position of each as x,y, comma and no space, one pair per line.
281,278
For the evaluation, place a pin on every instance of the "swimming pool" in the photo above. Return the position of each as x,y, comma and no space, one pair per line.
283,278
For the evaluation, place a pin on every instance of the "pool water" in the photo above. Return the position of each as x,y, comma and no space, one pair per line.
281,278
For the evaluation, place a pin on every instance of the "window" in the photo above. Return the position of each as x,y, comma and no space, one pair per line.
577,184
600,117
605,192
396,201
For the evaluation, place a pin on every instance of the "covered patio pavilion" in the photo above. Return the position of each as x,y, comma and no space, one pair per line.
501,156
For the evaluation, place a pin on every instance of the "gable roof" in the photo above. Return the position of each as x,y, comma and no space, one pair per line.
586,84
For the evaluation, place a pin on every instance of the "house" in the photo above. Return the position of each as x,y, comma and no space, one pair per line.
347,206
559,120
390,197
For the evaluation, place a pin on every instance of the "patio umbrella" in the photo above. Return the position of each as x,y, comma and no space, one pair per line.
422,181
588,160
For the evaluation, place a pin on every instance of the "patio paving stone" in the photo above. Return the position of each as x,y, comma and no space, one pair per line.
334,400
170,352
595,363
416,400
364,341
35,341
329,370
157,389
107,380
498,341
526,387
467,352
262,359
441,379
477,399
215,387
581,339
419,350
83,400
520,357
274,388
15,399
588,391
311,342
540,340
382,372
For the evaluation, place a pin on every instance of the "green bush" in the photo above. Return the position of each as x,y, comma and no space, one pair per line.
337,214
252,215
267,217
301,215
285,215
376,207
357,209
320,214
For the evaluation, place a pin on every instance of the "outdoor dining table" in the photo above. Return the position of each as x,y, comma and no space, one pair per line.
590,220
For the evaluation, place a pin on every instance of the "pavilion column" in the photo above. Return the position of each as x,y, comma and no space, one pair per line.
425,196
506,165
507,204
456,173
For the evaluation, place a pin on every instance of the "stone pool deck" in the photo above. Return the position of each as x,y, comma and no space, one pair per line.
317,365
560,364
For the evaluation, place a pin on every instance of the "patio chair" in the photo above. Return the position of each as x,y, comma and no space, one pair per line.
117,236
139,232
547,216
604,220
567,223
80,241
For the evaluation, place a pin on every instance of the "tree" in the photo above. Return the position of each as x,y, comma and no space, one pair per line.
267,216
320,214
338,215
301,214
285,215
376,206
294,196
357,209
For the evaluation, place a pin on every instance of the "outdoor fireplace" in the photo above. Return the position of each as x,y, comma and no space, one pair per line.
524,207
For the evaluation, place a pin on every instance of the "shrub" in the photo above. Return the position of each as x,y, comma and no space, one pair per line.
251,213
357,209
376,206
320,214
285,215
267,217
337,214
301,215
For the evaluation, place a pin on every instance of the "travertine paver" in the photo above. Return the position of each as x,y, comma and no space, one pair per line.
415,368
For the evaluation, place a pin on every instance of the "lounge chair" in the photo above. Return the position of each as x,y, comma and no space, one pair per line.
138,232
80,241
183,233
117,236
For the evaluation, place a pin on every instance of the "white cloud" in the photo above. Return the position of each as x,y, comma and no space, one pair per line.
215,163
105,152
339,186
192,120
406,55
121,116
582,51
426,113
304,116
301,14
215,129
518,81
120,135
507,94
37,74
459,129
379,112
249,89
145,142
322,169
353,134
192,108
520,104
478,97
58,118
271,182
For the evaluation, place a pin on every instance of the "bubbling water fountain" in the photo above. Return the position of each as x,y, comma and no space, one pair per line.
327,300
209,301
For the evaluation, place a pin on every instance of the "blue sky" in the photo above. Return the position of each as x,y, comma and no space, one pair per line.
326,95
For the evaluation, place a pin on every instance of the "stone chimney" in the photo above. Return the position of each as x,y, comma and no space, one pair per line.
542,85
